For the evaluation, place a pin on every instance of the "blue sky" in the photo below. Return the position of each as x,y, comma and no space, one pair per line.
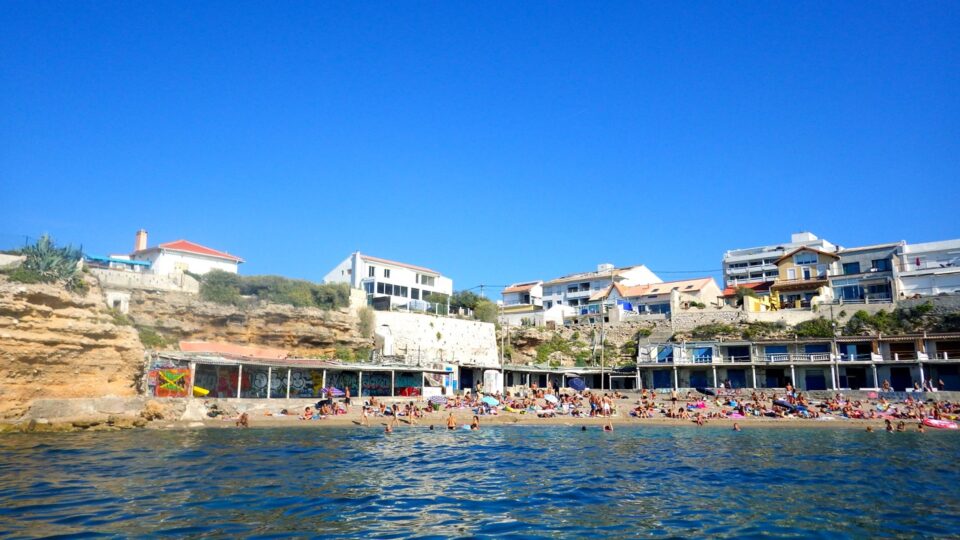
495,142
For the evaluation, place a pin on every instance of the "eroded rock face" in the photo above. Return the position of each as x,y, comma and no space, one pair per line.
301,331
55,344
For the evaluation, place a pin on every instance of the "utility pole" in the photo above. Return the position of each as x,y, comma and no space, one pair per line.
603,309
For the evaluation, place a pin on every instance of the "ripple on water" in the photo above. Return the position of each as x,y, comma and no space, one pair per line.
506,481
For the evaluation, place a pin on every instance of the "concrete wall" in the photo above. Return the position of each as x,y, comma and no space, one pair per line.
690,319
169,262
114,279
441,339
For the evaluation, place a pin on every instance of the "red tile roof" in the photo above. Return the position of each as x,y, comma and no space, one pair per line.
192,247
520,287
762,286
799,249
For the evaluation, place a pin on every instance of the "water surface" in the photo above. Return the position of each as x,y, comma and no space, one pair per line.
511,481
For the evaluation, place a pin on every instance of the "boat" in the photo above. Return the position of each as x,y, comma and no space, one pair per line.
939,424
200,392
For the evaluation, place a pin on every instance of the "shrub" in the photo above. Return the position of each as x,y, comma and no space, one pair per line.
556,343
644,332
711,331
755,330
819,327
485,311
47,263
119,319
221,287
367,320
151,339
228,288
344,354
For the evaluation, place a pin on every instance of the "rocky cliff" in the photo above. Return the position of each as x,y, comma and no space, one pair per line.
302,331
55,344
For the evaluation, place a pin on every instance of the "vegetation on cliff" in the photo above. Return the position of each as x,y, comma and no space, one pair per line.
47,263
903,320
231,289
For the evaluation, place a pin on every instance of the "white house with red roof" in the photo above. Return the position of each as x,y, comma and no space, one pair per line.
405,285
182,256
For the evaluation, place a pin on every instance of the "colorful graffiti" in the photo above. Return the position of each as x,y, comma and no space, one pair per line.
171,382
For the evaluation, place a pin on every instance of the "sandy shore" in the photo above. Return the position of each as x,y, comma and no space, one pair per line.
464,416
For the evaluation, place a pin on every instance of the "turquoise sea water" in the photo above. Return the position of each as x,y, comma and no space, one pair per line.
511,481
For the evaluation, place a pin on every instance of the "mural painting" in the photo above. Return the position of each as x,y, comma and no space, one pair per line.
376,383
407,384
171,382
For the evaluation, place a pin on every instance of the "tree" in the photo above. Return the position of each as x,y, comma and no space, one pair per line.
744,291
486,311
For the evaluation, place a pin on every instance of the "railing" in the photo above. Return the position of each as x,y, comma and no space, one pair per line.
735,359
861,357
815,357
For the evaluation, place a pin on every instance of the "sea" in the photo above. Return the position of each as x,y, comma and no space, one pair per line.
503,481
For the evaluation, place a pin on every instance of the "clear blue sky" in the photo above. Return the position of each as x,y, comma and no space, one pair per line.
495,142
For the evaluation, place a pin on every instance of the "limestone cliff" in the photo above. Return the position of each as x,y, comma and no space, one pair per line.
302,331
579,344
55,344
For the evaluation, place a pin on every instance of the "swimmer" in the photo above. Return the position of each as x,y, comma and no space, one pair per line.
451,422
475,425
736,426
583,428
920,427
869,429
608,426
388,429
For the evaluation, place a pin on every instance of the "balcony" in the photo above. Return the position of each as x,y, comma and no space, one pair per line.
796,358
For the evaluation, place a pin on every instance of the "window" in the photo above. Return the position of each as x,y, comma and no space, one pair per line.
415,293
791,273
368,287
549,304
881,265
380,288
386,272
572,289
584,286
526,299
371,271
426,280
805,257
851,268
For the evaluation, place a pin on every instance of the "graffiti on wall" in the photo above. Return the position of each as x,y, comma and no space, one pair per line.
171,382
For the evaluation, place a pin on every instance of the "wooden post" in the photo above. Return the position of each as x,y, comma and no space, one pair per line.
288,382
239,379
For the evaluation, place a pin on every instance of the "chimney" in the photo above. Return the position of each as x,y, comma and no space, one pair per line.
141,241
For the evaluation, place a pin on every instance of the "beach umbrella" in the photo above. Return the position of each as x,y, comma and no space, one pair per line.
577,384
491,401
551,398
438,400
334,392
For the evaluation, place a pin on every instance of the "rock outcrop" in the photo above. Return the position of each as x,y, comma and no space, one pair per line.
56,344
301,331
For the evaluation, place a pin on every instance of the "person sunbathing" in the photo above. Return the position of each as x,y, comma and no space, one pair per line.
307,414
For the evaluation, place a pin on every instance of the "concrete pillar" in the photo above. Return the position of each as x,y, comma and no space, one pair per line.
793,377
393,382
753,370
193,379
288,382
833,380
359,384
676,379
269,377
715,376
876,379
323,381
239,380
922,379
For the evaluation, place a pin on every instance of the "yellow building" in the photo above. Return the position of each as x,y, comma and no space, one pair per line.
803,277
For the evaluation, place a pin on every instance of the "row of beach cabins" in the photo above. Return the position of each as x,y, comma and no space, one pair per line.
898,363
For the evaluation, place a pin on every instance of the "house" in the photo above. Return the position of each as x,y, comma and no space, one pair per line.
576,289
390,284
928,269
181,256
804,278
759,289
866,273
758,264
664,297
522,304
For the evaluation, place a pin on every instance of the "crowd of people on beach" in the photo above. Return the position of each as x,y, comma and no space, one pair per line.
699,406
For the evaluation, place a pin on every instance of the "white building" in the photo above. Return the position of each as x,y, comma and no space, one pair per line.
664,297
182,256
929,269
522,304
405,285
576,289
759,264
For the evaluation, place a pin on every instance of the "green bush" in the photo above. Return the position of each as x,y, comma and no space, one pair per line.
367,320
151,339
47,263
756,330
228,288
644,332
556,343
119,319
485,311
712,331
819,327
344,354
